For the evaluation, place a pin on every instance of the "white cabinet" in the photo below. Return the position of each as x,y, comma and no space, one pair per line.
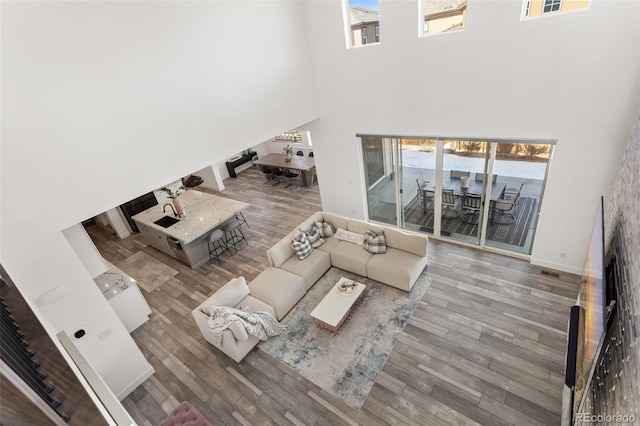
124,296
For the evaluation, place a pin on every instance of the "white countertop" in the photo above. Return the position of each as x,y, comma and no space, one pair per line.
113,282
203,212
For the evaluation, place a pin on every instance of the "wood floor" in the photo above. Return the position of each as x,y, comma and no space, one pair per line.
485,345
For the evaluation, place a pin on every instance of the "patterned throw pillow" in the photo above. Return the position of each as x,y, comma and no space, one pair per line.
325,229
375,243
301,246
314,238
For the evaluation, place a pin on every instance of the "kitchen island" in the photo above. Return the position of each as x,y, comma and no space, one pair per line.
186,240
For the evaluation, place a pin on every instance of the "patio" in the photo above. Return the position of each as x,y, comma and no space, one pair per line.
514,237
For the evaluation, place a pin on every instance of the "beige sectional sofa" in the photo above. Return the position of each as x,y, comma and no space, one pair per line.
400,266
281,285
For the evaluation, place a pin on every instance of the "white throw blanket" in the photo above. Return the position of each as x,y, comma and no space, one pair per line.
260,324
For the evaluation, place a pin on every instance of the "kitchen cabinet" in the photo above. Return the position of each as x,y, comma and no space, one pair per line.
156,239
124,296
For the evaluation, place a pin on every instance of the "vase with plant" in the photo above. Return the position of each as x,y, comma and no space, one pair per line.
173,195
288,152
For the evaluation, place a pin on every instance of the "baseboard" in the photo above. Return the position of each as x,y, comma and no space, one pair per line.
556,266
135,383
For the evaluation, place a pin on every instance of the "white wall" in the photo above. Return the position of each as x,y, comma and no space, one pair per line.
102,102
571,77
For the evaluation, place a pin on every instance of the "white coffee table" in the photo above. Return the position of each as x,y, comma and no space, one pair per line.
336,306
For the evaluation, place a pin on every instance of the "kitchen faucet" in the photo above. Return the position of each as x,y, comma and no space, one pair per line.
170,205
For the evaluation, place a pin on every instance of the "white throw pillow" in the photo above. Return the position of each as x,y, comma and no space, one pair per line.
352,237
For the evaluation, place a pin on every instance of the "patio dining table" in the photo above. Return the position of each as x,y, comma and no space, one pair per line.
474,188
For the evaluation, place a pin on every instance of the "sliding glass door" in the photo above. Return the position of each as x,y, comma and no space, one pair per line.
479,192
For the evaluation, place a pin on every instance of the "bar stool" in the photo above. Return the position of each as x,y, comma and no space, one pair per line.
233,234
217,244
242,220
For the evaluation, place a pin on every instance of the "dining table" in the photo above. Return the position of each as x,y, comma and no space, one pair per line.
304,164
474,188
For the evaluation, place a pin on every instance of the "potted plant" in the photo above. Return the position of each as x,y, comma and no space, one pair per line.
173,195
288,152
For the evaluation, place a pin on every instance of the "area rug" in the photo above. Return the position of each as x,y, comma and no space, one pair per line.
515,233
148,272
347,363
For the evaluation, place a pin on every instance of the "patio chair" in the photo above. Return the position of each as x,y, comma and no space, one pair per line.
425,198
450,204
481,176
506,206
471,208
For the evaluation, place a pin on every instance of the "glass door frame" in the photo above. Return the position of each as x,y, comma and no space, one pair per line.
487,186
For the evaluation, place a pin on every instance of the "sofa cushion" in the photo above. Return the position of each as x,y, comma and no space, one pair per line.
396,268
301,246
278,288
311,268
350,257
413,243
329,244
229,294
338,221
281,250
375,242
360,226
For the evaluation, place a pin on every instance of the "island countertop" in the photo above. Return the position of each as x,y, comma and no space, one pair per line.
203,212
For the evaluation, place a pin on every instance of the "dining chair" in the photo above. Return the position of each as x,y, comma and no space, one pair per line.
450,204
471,208
311,154
290,176
458,174
505,207
300,153
266,172
277,174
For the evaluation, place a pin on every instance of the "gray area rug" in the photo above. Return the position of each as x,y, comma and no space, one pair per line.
148,272
347,363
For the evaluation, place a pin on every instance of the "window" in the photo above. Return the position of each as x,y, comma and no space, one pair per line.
442,16
535,8
360,16
551,6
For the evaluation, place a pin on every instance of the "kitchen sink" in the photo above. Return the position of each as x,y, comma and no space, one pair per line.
166,221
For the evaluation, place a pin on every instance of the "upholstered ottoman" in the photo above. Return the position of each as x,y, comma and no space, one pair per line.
278,288
185,414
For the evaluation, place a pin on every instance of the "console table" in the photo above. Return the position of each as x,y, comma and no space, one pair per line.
244,158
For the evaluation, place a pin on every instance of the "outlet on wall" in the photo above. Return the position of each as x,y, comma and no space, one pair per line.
108,332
